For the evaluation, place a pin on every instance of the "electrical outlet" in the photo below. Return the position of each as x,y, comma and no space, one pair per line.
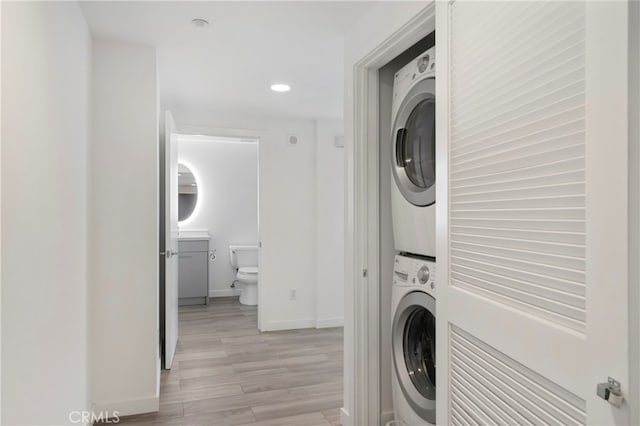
292,294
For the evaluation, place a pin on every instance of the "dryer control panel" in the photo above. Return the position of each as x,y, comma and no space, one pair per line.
424,66
412,271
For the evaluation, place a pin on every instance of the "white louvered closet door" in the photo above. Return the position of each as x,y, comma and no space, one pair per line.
532,214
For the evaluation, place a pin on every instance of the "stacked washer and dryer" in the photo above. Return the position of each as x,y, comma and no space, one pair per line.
413,193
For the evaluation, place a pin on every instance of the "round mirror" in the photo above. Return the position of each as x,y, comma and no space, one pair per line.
187,192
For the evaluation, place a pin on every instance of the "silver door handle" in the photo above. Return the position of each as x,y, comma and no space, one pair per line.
169,253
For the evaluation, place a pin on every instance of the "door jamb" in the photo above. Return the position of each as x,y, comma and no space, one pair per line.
362,217
634,211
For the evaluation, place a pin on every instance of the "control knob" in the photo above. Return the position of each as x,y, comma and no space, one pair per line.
423,274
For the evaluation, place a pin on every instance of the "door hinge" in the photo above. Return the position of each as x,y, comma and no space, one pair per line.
611,392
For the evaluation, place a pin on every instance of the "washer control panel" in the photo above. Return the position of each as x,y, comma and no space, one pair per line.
412,271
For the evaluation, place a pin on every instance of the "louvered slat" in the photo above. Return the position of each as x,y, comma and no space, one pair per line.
489,387
537,260
517,160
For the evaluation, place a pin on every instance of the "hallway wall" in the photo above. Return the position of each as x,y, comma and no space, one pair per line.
329,224
46,59
123,171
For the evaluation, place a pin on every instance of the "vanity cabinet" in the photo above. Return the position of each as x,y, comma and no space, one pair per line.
193,272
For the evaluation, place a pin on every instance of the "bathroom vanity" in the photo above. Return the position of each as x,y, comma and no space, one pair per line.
193,269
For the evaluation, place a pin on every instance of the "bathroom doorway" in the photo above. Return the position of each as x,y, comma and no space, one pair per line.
209,208
218,205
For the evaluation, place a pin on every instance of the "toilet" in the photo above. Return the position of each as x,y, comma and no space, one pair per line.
245,260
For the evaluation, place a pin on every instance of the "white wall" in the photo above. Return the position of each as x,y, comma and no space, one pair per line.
287,209
45,116
287,226
634,209
0,221
226,173
124,228
0,216
329,224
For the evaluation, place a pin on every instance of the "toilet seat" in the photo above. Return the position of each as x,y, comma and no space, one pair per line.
248,274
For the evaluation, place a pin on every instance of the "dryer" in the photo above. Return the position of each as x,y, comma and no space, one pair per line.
413,189
413,337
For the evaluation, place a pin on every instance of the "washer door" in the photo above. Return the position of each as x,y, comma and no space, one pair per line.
414,145
414,352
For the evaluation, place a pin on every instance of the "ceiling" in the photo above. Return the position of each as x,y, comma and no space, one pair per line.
248,46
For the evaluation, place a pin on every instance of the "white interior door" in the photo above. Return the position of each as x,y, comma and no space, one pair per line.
171,236
532,211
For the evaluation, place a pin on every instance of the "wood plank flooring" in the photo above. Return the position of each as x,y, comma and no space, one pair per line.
225,372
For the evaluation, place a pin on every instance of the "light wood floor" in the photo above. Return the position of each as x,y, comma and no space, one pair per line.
225,372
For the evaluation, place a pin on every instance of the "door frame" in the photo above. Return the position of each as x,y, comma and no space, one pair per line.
634,209
362,221
362,239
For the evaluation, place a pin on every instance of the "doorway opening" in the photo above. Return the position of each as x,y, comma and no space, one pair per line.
211,222
223,352
223,173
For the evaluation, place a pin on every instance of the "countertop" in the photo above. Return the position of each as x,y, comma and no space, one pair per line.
195,234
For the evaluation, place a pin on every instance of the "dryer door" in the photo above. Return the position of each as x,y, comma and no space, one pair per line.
414,145
414,352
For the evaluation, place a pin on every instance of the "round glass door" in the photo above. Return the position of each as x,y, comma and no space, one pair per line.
419,344
419,146
414,352
414,145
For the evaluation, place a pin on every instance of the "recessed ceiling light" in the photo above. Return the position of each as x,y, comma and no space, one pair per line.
280,87
200,23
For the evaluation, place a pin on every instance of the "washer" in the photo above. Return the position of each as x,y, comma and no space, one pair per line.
413,162
413,337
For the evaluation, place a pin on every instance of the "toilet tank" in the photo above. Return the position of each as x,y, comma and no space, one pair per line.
241,256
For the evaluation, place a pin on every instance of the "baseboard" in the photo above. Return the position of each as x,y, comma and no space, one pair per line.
386,417
227,292
129,407
330,322
289,325
303,323
345,418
